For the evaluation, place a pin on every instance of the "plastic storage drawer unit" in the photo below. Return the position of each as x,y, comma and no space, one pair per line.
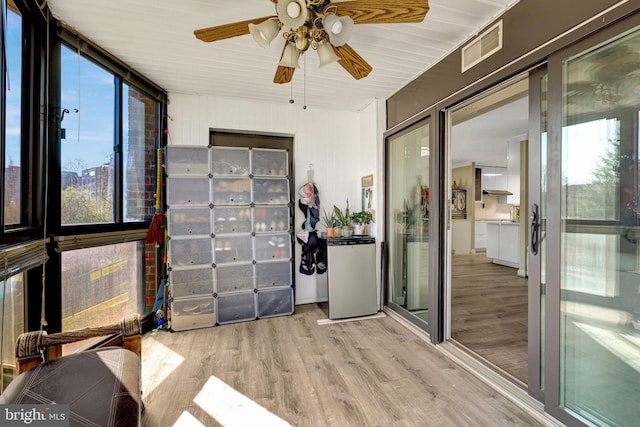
233,277
231,191
273,274
268,162
275,302
230,161
188,191
192,313
190,251
271,191
236,307
187,160
233,248
189,220
273,247
191,282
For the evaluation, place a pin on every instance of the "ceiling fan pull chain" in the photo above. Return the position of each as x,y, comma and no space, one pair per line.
291,100
304,84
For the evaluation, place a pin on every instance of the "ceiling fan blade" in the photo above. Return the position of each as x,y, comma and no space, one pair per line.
283,74
384,11
352,62
221,32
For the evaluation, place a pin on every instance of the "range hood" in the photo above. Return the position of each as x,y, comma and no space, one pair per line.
498,192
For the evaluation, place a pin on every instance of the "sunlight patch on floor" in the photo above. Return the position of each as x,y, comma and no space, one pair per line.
233,409
187,420
154,372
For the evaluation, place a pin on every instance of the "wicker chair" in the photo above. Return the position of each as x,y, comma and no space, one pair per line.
101,385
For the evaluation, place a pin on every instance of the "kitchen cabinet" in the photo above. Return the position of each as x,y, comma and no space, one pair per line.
490,178
503,239
229,224
494,178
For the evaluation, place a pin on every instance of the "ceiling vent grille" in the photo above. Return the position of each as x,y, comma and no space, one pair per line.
482,47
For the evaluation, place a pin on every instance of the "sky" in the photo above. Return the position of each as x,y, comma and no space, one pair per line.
89,132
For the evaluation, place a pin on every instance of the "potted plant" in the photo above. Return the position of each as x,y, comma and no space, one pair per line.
329,220
360,221
343,218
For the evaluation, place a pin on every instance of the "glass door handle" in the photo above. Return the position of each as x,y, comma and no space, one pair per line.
534,217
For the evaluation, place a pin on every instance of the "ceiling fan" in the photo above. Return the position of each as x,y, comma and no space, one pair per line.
322,25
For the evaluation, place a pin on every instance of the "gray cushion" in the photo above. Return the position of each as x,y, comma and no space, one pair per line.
101,386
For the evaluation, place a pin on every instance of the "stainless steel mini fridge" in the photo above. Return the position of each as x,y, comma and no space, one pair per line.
351,269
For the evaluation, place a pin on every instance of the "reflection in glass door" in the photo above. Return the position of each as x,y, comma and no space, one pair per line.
599,291
408,219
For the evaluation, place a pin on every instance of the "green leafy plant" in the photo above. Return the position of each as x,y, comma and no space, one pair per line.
329,219
342,217
362,217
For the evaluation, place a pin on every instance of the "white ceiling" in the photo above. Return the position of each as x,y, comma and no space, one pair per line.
155,37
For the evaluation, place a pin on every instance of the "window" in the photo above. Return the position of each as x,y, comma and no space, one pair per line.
140,130
12,120
12,324
101,285
92,149
87,144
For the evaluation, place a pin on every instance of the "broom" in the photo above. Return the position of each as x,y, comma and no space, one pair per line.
156,232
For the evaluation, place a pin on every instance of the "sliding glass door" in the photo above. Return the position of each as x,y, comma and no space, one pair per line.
593,295
408,197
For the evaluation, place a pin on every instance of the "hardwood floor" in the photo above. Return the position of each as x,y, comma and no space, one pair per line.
489,312
372,372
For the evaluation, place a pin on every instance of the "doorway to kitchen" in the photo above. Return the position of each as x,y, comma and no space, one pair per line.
488,239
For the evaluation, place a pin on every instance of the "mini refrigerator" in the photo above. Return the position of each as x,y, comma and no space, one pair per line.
351,269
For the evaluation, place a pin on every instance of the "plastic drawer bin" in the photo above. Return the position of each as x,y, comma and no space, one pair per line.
268,162
234,278
184,252
271,191
275,302
192,313
186,221
187,160
233,248
230,161
231,191
236,307
271,219
232,220
273,247
191,282
273,274
188,191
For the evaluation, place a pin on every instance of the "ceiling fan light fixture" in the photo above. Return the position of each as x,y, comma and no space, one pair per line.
290,56
292,13
339,28
265,32
326,54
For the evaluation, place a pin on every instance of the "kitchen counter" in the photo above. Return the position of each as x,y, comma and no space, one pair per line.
503,238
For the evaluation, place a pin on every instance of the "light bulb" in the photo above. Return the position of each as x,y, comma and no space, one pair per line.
293,10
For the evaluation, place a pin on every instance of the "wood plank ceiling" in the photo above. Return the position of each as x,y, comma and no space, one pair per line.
156,38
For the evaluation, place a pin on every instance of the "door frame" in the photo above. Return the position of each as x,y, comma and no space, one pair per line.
534,264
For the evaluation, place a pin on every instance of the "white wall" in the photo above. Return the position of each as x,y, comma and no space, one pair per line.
341,146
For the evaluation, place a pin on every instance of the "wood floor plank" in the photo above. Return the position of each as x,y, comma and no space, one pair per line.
489,312
364,373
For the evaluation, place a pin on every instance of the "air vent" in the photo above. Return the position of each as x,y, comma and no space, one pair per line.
482,47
